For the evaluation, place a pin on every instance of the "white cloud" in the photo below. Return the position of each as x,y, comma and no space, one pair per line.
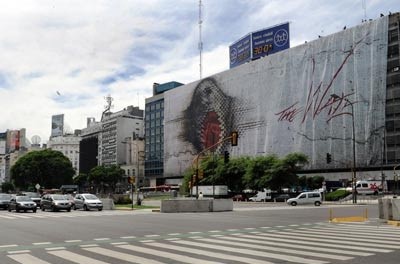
85,50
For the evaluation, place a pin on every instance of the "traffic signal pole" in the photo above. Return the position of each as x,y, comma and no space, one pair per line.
234,139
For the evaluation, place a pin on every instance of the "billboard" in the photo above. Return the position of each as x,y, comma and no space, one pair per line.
259,44
13,140
283,104
240,51
57,125
270,40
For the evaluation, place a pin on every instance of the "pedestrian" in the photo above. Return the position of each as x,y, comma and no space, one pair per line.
200,195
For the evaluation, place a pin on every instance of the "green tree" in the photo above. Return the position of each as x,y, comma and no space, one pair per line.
7,187
49,168
256,176
283,172
105,177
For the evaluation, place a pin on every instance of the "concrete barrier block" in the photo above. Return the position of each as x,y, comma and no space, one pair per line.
220,205
395,209
108,204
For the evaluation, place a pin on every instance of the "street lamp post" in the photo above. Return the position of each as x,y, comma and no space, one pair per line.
353,138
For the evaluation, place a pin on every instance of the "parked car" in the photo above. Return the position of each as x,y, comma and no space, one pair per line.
87,201
306,198
55,202
4,200
22,203
282,198
239,197
71,199
34,196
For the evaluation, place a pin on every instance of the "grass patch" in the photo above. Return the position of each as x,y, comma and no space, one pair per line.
137,207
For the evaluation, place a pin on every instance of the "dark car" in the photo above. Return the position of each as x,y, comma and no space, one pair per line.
282,198
239,198
34,196
22,203
55,202
4,200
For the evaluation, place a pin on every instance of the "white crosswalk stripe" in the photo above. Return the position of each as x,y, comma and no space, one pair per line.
27,259
311,244
177,257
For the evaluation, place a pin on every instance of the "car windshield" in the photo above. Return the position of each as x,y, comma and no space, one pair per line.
23,199
90,197
59,197
5,196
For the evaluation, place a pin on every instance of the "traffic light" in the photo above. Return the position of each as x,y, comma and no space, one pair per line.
328,158
234,138
131,180
226,157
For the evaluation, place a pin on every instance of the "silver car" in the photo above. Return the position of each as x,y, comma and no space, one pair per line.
87,201
55,202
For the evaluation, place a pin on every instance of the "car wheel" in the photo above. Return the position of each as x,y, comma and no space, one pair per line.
43,209
85,207
74,207
16,209
69,210
293,203
34,210
53,209
100,209
317,203
262,200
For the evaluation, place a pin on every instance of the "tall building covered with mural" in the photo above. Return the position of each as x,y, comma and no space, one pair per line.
308,99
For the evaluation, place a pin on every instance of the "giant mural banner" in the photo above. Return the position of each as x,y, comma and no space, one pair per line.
303,99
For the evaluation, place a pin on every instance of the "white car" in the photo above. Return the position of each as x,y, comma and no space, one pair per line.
306,198
87,201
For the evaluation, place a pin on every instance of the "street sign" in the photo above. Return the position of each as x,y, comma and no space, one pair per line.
37,186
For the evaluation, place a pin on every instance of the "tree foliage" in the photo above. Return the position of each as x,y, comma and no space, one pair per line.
105,177
49,168
254,173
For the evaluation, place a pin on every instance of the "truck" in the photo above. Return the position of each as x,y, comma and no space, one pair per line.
261,196
370,187
211,190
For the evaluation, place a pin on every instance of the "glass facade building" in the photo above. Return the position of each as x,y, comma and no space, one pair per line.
154,131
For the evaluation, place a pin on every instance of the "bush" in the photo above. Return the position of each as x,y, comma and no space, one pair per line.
336,195
123,200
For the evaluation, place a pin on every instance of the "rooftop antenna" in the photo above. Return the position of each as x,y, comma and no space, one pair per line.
364,6
107,107
200,40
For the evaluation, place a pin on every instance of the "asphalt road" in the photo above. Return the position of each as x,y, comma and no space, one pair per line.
252,233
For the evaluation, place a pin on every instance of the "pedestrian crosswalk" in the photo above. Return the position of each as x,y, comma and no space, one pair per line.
317,243
73,214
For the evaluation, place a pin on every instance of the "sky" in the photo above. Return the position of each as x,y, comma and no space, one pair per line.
66,56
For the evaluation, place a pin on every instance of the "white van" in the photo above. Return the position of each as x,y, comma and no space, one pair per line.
261,196
306,198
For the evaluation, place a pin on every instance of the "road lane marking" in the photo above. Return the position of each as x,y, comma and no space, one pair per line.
55,248
211,254
127,237
364,237
152,235
18,251
317,242
267,241
119,243
6,246
174,234
278,249
338,238
41,243
74,257
164,254
101,239
73,241
250,252
172,238
89,245
196,232
27,259
122,256
146,241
